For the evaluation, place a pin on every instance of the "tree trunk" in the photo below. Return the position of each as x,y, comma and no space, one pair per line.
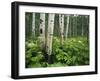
82,26
61,24
67,26
42,30
73,26
76,25
87,28
70,26
33,25
50,36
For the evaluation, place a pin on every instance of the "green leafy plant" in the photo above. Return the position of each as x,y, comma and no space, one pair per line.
74,52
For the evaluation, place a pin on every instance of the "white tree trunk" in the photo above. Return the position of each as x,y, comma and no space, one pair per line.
70,27
33,25
61,24
82,26
67,26
50,33
73,25
42,30
76,24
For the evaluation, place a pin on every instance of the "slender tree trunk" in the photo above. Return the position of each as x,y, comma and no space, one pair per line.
87,17
50,36
76,25
73,26
33,25
82,26
70,26
67,26
61,24
42,30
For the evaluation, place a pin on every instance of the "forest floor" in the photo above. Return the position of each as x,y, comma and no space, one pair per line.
73,52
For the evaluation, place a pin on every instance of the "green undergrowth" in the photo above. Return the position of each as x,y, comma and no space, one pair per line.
73,52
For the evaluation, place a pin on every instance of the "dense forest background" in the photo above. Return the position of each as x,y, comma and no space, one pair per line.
56,40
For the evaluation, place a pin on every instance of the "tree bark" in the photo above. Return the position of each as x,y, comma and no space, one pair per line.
61,24
82,26
50,35
87,28
33,25
70,26
67,26
76,25
42,30
73,25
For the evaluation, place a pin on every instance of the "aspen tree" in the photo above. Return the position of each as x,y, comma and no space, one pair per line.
42,30
87,27
33,25
67,26
76,25
50,35
61,26
70,26
82,33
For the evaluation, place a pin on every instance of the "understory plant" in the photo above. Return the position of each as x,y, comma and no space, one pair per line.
73,52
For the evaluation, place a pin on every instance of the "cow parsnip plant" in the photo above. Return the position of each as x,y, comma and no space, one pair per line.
73,52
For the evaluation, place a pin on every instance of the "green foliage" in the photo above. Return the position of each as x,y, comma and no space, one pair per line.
74,52
34,54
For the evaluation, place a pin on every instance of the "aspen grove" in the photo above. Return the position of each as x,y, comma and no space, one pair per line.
55,40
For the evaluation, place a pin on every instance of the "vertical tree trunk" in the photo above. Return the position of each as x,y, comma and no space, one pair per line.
42,30
87,28
70,26
73,26
50,36
33,25
67,26
76,25
61,24
82,26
